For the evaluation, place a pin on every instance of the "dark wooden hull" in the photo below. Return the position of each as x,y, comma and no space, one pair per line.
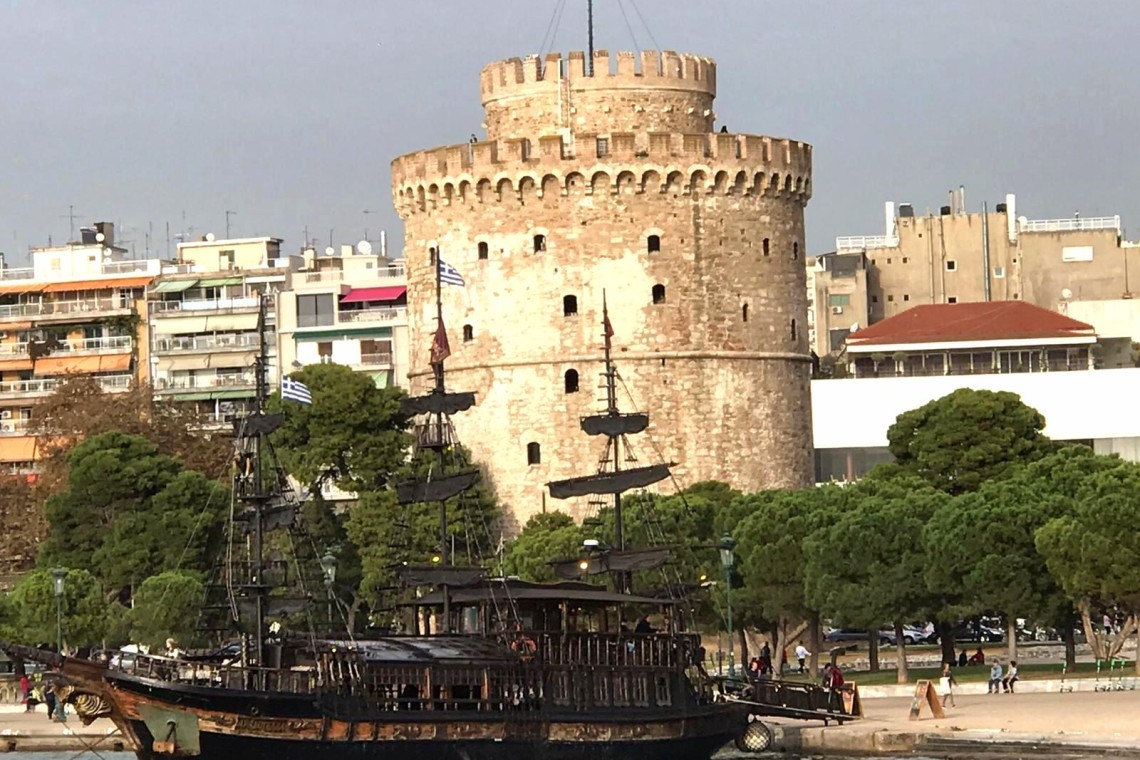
229,724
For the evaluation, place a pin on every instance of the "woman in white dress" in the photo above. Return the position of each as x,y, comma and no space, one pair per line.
946,684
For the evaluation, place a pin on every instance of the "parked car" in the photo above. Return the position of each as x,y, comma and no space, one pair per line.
845,636
970,632
911,635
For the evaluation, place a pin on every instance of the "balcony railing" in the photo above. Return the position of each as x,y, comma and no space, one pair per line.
376,360
204,304
1074,224
205,382
863,242
45,385
22,273
241,342
129,267
113,345
394,271
14,426
373,315
66,308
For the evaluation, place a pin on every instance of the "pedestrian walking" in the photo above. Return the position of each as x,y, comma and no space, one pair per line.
946,684
766,659
49,699
995,678
801,655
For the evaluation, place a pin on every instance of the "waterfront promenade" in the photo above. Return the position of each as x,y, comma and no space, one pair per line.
1087,723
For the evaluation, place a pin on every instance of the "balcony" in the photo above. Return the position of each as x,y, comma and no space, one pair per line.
202,305
14,426
205,382
373,315
211,343
357,277
376,360
42,386
94,307
119,344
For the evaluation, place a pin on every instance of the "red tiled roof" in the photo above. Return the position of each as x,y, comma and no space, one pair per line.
961,322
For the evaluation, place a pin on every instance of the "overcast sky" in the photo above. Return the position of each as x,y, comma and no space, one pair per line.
288,112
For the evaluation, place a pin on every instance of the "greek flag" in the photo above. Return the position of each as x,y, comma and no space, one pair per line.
295,390
449,274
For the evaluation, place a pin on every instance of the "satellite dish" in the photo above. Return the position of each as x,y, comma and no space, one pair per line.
209,237
854,327
330,251
364,248
1066,294
100,237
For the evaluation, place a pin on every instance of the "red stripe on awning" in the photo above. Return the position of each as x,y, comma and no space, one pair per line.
359,295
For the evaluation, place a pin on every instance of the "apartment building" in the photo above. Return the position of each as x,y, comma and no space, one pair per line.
79,309
1058,365
203,323
956,256
347,307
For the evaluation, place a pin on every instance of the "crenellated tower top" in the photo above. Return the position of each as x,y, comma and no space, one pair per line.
646,92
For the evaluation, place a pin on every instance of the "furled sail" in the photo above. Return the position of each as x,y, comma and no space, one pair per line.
614,424
438,488
609,482
437,402
621,561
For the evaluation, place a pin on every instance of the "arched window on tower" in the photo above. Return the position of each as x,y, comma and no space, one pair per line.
658,293
533,453
795,251
765,246
468,333
795,334
539,243
569,306
484,250
571,381
653,244
744,312
431,255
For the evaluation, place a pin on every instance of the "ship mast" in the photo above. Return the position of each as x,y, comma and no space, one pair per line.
439,418
257,558
620,578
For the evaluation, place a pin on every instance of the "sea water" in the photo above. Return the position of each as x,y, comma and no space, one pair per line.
89,755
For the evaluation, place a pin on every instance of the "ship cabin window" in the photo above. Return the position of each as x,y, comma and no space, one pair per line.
653,244
765,245
569,306
533,453
484,250
571,381
468,333
659,293
539,243
744,312
794,332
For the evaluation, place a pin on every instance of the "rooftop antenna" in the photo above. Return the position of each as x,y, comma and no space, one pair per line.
71,223
228,215
590,33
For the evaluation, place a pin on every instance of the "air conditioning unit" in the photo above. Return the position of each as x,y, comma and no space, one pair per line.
6,414
7,428
836,309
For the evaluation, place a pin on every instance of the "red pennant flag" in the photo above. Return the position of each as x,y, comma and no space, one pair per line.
608,327
440,348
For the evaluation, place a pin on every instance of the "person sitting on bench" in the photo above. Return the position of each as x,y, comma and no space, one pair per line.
1010,678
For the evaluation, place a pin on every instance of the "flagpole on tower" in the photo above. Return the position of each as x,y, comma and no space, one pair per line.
437,368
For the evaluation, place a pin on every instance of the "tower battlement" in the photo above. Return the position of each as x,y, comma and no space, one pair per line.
629,92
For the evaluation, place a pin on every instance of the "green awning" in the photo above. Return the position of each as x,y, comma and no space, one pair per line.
218,282
343,333
212,395
173,286
381,378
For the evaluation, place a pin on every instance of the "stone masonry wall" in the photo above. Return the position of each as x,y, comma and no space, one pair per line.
720,362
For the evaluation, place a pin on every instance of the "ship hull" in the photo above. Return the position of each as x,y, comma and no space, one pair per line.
225,725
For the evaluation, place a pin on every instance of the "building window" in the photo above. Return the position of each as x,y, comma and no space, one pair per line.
316,310
906,296
658,293
569,306
951,265
905,259
571,379
431,255
468,333
874,299
889,260
653,245
795,333
765,246
324,351
952,299
1016,296
795,251
891,298
533,453
225,259
603,145
839,299
484,249
539,243
744,312
999,272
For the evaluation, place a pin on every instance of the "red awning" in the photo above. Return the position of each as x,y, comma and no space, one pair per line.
359,295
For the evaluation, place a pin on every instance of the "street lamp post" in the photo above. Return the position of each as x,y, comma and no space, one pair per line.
57,576
727,545
328,566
